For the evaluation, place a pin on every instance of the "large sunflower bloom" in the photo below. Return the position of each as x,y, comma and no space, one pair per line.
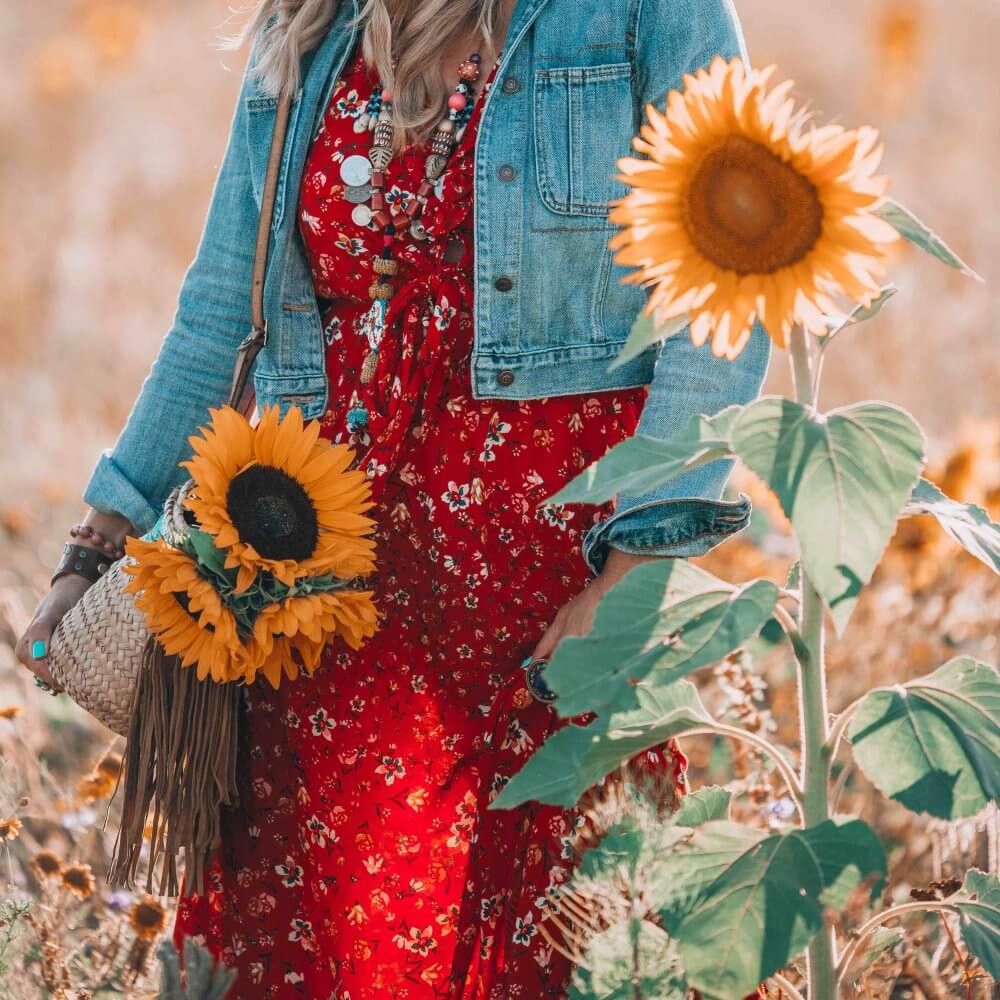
278,498
292,635
182,609
742,210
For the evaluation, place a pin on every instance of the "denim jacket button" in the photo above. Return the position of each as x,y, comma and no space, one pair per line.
506,172
505,378
503,284
511,85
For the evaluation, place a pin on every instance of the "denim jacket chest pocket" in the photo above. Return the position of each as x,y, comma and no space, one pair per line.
584,118
261,112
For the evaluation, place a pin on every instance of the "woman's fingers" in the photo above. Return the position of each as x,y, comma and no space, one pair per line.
33,647
548,642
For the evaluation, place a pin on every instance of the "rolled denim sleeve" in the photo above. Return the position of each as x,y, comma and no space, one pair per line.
686,516
193,369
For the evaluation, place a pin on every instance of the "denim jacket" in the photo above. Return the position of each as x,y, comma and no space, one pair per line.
550,310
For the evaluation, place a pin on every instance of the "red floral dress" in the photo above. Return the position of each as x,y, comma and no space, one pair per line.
364,864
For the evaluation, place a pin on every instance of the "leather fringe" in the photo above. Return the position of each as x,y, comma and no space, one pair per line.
179,771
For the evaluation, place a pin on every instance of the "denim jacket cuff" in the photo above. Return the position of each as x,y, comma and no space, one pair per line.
679,527
111,492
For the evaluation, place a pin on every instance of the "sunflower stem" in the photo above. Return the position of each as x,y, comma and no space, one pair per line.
814,715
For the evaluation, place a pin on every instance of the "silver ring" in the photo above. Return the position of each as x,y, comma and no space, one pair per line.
45,686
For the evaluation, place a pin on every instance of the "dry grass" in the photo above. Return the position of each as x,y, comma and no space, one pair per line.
112,124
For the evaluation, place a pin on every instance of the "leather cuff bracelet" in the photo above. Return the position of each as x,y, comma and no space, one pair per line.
84,561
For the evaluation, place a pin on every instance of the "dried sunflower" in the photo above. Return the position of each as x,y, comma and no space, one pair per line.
95,786
742,210
148,917
291,636
79,880
182,609
10,829
278,498
47,864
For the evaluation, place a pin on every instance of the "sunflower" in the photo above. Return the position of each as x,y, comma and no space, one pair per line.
10,829
278,498
182,609
46,864
292,635
742,210
148,917
95,786
79,879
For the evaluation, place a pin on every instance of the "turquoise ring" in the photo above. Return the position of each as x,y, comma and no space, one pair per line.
535,682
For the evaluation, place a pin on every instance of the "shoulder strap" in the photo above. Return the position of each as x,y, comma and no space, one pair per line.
252,344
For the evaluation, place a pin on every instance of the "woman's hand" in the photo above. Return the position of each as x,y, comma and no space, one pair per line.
577,617
33,646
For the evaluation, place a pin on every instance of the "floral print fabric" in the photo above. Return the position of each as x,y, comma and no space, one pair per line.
362,863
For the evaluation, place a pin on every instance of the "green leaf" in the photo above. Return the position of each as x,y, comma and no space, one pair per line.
859,315
768,904
644,333
205,551
980,919
911,228
876,944
968,524
706,805
842,479
934,744
665,614
575,757
633,958
684,873
641,463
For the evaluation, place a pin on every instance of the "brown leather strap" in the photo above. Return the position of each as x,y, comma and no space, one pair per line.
252,344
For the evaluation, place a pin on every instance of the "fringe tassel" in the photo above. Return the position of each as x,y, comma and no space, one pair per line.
180,766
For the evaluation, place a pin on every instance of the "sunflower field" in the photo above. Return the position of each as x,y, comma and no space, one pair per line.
831,672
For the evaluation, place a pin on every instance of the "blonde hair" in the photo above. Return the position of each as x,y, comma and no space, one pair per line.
414,32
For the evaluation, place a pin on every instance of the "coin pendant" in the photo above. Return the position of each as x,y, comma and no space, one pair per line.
358,194
361,215
356,170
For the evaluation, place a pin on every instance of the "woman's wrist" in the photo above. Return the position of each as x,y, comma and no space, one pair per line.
112,528
93,546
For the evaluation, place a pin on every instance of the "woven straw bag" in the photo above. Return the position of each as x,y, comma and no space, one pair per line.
97,649
182,734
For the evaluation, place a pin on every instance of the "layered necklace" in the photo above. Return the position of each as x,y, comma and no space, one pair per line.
364,178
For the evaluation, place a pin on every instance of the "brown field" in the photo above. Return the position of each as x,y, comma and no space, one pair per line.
112,123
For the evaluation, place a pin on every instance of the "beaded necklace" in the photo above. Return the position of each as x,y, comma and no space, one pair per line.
364,179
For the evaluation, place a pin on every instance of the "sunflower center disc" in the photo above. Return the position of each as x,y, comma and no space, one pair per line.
750,212
273,513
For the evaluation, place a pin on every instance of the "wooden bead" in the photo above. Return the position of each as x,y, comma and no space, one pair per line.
384,265
378,201
380,291
382,219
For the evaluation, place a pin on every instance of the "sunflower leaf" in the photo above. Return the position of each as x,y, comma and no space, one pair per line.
920,235
629,959
644,333
665,617
968,524
859,315
209,556
706,805
767,905
980,918
934,744
842,479
642,463
574,758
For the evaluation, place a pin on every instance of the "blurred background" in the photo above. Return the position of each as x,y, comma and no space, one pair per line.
113,119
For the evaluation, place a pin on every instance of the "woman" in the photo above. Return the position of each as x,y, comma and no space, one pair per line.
365,864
